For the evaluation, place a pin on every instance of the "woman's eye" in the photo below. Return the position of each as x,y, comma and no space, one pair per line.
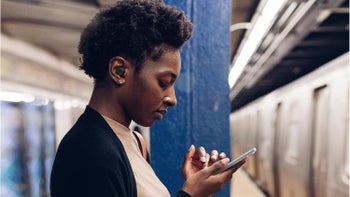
163,85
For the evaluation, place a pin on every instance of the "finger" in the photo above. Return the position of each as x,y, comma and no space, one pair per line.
222,155
187,161
214,156
207,158
189,154
202,154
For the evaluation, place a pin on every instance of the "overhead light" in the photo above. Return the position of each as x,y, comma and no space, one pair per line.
261,26
296,12
16,97
68,103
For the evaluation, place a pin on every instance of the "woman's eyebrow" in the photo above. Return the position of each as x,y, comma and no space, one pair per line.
172,74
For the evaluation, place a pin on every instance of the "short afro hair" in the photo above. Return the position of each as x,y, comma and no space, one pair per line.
132,29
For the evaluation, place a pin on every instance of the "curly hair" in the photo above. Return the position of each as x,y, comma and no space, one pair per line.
133,29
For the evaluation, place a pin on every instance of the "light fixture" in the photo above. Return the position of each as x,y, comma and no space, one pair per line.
16,97
254,37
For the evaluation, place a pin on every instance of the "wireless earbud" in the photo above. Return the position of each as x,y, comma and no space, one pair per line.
120,71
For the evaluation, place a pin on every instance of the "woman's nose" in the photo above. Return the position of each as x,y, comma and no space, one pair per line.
170,100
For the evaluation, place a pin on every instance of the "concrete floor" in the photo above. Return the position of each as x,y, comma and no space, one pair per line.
243,186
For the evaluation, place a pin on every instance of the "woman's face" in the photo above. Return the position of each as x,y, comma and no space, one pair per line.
151,91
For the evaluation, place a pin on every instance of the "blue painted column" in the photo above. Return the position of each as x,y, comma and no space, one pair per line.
201,116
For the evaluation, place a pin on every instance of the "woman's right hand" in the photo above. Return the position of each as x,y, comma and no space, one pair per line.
205,183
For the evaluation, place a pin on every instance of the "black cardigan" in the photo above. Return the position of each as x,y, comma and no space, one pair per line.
91,161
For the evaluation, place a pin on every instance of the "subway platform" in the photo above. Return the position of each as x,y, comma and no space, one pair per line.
243,186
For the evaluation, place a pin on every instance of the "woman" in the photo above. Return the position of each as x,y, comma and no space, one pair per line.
132,51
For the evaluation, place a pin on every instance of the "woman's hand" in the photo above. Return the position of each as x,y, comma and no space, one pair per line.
196,160
205,183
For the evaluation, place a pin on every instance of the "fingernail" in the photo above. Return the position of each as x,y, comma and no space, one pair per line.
227,159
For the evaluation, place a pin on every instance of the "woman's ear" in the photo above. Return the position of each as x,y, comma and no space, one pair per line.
117,69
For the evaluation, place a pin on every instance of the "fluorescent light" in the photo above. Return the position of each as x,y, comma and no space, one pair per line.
16,97
258,31
64,104
271,8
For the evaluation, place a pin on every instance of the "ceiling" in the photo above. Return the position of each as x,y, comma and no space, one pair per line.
58,32
291,48
305,35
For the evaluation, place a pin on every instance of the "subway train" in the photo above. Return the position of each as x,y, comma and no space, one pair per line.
301,132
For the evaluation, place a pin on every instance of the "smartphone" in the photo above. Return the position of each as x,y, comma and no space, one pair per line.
237,160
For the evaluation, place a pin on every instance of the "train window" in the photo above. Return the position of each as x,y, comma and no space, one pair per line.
293,134
346,163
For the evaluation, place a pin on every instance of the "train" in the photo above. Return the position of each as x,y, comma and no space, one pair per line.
301,132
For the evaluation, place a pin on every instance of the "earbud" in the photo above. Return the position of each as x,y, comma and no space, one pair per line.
120,71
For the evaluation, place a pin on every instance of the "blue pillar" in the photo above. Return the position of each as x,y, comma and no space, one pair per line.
201,116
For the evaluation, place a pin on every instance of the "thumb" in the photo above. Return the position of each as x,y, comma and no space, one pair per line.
189,154
186,165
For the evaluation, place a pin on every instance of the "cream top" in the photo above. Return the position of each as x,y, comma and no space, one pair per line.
147,182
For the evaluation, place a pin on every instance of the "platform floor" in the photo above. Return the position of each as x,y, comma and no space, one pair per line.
243,186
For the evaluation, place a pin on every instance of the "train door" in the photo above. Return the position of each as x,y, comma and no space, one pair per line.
236,134
266,135
294,145
338,134
252,125
233,138
276,147
320,142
